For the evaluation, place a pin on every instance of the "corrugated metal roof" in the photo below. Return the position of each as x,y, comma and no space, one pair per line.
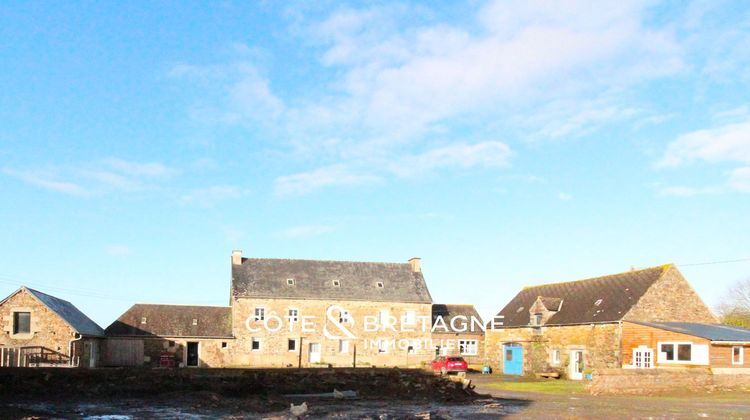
335,280
595,300
713,332
173,321
68,312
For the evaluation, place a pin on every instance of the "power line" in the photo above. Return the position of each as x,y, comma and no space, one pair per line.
715,262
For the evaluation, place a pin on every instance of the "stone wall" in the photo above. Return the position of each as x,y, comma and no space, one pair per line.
600,344
659,381
274,346
452,340
671,298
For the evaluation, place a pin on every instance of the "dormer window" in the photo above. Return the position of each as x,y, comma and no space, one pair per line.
336,283
537,319
195,321
290,282
379,285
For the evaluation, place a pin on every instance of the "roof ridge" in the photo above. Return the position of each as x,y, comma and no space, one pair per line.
182,304
337,261
663,267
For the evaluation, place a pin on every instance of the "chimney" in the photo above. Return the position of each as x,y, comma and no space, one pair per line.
416,264
237,257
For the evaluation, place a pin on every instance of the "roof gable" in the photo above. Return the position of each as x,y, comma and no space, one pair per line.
77,320
594,300
173,321
336,280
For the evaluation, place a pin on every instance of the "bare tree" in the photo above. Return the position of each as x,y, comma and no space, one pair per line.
735,307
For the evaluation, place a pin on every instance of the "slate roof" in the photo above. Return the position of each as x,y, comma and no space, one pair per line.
448,312
713,332
313,279
67,311
618,293
173,321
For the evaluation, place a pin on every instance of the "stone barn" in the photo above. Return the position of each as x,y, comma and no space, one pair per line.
460,332
171,335
42,330
571,328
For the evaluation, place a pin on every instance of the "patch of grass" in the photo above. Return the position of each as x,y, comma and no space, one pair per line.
542,387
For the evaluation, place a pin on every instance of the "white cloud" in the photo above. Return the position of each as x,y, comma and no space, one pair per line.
727,143
485,154
564,196
740,179
118,250
209,196
683,191
147,169
306,231
47,180
335,175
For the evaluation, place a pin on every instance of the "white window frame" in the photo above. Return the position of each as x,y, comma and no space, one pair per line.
536,319
468,347
343,346
336,283
259,313
290,282
290,317
742,355
641,364
555,357
676,347
296,344
254,340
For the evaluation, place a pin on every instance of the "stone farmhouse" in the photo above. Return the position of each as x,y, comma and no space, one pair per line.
41,330
638,319
455,335
291,313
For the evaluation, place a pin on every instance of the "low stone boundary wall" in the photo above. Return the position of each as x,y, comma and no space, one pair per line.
658,381
138,382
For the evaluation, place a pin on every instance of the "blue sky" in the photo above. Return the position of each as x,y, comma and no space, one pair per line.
505,143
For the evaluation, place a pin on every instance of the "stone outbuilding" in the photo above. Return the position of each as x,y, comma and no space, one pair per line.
458,330
171,335
42,330
572,328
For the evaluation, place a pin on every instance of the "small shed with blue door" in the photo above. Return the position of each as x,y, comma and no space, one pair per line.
512,359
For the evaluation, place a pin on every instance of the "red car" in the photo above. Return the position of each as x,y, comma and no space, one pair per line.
449,364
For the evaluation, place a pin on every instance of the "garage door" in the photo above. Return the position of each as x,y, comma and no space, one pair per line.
124,352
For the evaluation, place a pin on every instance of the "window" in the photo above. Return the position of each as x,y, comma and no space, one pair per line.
642,358
537,319
195,321
143,320
344,317
379,284
336,283
556,357
290,282
291,344
738,355
223,344
343,346
410,318
171,343
467,347
255,344
260,314
508,355
598,302
21,322
292,314
676,352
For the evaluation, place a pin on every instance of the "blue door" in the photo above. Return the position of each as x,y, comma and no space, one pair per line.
513,359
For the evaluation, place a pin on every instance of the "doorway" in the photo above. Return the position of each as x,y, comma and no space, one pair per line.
643,358
576,365
513,359
313,355
192,354
93,353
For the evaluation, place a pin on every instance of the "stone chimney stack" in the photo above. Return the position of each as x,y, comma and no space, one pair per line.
237,257
416,264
